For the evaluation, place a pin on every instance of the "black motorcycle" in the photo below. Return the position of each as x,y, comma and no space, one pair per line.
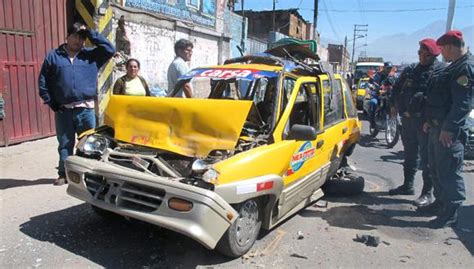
385,121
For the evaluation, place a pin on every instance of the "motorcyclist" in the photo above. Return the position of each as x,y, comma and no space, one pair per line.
381,82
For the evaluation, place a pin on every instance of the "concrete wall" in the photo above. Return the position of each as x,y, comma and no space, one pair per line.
256,45
233,27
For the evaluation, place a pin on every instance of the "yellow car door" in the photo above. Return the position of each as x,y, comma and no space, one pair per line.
307,167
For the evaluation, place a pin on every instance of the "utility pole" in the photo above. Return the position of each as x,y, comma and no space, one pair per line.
449,21
242,41
315,18
273,16
343,60
358,29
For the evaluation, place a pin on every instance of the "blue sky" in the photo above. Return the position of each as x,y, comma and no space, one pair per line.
337,17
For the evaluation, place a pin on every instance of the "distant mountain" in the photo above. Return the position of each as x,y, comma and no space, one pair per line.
402,48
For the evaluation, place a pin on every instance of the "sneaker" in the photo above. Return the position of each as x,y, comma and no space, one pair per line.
61,180
402,190
424,200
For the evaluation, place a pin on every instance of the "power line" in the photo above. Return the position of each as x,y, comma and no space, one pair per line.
301,1
361,9
387,10
330,21
394,10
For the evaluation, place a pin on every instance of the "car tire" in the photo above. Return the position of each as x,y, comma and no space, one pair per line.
344,185
238,240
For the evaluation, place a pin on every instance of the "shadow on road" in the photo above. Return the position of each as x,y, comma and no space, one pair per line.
465,227
7,183
118,243
366,213
368,141
362,217
394,157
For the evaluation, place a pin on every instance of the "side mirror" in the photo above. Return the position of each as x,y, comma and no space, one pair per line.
300,132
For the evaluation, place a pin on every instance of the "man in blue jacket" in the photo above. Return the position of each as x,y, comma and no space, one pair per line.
68,85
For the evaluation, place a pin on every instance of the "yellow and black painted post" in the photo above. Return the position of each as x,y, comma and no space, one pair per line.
97,14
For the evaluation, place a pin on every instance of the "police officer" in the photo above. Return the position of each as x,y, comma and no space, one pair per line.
380,78
408,94
448,104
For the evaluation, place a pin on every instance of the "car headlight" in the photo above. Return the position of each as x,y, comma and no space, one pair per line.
210,176
93,145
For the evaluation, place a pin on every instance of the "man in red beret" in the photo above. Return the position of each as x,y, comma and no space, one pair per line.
408,94
448,105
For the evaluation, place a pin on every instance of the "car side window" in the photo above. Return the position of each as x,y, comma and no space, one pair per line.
333,103
288,84
350,108
305,109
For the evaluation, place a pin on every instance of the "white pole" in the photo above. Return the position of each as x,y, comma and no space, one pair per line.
451,8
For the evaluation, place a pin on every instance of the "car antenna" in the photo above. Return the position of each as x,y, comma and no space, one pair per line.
240,50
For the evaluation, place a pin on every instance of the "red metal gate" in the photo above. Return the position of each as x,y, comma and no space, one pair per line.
28,30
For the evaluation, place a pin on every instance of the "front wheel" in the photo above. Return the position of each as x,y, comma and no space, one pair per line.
241,235
392,132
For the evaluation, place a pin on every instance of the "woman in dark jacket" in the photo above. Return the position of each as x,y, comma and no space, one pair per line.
132,83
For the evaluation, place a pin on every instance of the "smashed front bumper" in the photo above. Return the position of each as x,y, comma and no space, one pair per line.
145,197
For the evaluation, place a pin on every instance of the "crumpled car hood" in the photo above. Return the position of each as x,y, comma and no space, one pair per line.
190,127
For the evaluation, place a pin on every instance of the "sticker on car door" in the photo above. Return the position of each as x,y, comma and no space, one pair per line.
304,153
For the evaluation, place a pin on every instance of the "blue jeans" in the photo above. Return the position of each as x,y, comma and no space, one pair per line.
70,122
373,102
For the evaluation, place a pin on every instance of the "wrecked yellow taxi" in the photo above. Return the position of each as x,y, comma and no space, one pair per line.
263,136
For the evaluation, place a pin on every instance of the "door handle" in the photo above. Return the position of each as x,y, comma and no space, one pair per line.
319,144
344,130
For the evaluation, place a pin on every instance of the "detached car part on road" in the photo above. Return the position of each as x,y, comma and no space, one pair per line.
256,149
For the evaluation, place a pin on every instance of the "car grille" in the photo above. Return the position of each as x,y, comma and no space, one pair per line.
141,198
125,195
127,161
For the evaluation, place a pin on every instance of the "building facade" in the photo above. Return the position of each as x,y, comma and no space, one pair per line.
287,21
338,57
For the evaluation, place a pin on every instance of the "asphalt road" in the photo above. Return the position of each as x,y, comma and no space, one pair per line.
43,227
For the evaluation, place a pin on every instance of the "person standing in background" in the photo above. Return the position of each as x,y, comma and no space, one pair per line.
178,67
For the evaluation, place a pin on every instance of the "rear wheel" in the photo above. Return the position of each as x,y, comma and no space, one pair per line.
392,132
241,235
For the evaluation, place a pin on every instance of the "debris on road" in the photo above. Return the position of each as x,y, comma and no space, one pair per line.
368,240
300,235
296,255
